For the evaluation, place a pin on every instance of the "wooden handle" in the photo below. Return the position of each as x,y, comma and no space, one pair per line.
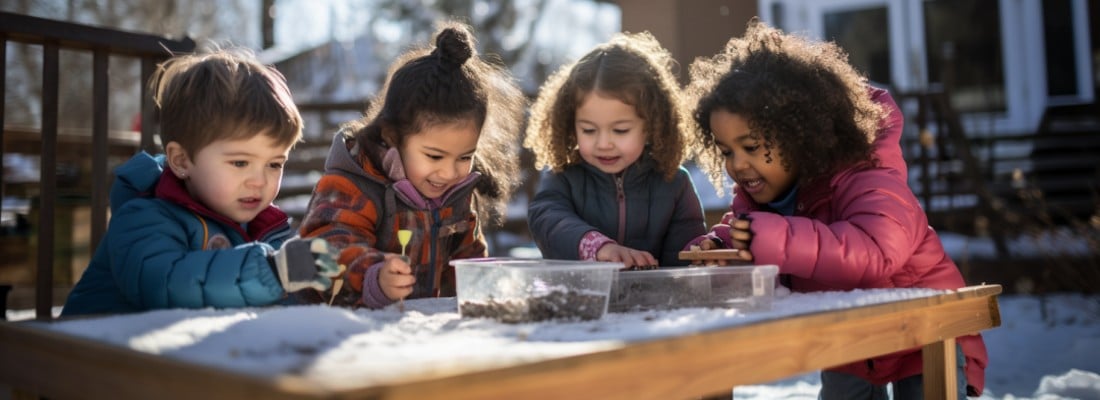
722,254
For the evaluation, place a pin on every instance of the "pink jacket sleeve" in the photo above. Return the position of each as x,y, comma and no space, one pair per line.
877,225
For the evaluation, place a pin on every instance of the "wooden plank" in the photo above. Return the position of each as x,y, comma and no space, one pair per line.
29,29
697,365
678,367
940,377
731,255
59,366
149,122
47,197
3,89
100,146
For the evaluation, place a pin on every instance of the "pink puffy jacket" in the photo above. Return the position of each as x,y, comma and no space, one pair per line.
862,229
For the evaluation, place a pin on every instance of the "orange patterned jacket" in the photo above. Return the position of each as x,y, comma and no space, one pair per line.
359,208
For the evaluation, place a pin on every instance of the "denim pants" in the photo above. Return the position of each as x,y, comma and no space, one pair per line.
841,386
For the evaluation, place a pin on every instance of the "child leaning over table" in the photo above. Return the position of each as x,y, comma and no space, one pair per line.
434,155
203,232
613,130
795,127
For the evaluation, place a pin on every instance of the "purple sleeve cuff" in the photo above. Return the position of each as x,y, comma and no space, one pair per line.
591,243
373,297
719,234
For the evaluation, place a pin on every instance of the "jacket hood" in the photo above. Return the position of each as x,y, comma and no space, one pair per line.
136,178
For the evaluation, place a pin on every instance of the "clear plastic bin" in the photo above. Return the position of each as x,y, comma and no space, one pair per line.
748,288
518,290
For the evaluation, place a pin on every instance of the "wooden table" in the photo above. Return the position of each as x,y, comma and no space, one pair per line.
61,366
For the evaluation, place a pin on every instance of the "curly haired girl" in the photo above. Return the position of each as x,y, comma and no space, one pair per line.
434,154
817,191
613,130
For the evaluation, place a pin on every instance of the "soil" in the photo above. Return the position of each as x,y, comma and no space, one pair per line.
565,305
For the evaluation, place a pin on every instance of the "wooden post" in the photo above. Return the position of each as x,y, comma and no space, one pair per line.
940,375
47,197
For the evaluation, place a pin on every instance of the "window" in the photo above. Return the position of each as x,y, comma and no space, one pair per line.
970,30
865,35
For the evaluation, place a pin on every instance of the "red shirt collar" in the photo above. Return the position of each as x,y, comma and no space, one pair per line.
171,188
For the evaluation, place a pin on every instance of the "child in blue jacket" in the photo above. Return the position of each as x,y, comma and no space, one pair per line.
613,130
195,227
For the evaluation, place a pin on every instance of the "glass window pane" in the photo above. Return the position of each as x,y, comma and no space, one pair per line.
1058,36
865,35
963,39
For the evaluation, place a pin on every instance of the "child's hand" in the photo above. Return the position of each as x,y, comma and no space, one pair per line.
305,264
395,277
739,257
739,234
631,259
709,244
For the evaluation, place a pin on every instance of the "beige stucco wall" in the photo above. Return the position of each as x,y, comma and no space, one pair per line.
690,28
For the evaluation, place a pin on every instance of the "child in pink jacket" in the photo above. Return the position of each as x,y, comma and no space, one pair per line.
818,192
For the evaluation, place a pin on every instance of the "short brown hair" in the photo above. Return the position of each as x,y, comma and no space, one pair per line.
225,94
632,68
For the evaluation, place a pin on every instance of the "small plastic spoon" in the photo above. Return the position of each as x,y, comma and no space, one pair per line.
403,237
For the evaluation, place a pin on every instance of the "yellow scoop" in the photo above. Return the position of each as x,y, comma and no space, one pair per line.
403,236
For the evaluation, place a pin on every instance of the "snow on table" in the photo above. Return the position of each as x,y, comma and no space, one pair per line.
339,349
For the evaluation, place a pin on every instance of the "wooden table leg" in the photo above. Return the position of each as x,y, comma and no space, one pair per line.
940,377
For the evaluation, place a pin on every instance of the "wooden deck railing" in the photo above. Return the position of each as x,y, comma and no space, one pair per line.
103,43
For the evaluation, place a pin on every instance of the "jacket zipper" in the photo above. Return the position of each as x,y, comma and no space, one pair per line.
431,246
621,196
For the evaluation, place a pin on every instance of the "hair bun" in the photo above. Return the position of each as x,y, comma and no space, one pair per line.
453,46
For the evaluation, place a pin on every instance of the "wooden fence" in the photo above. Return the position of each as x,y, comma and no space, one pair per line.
54,36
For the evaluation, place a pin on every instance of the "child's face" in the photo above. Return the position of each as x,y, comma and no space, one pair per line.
610,134
746,161
437,158
235,178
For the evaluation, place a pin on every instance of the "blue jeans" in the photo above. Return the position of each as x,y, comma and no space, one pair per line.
839,385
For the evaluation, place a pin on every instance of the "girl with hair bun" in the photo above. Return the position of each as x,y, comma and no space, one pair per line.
434,155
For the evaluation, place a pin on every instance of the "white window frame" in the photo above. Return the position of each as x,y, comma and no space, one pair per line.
1082,57
1024,60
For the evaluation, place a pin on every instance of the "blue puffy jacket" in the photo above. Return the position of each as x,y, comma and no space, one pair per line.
164,250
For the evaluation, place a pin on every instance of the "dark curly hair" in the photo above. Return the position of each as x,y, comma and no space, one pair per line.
450,83
632,68
799,95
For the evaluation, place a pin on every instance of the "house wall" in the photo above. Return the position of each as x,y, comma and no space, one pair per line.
688,29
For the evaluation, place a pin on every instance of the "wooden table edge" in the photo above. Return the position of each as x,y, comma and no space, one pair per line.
638,370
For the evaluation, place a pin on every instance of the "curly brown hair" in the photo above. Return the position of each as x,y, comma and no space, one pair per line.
632,68
448,83
799,95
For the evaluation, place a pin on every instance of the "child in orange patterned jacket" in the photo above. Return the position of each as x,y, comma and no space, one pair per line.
433,155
